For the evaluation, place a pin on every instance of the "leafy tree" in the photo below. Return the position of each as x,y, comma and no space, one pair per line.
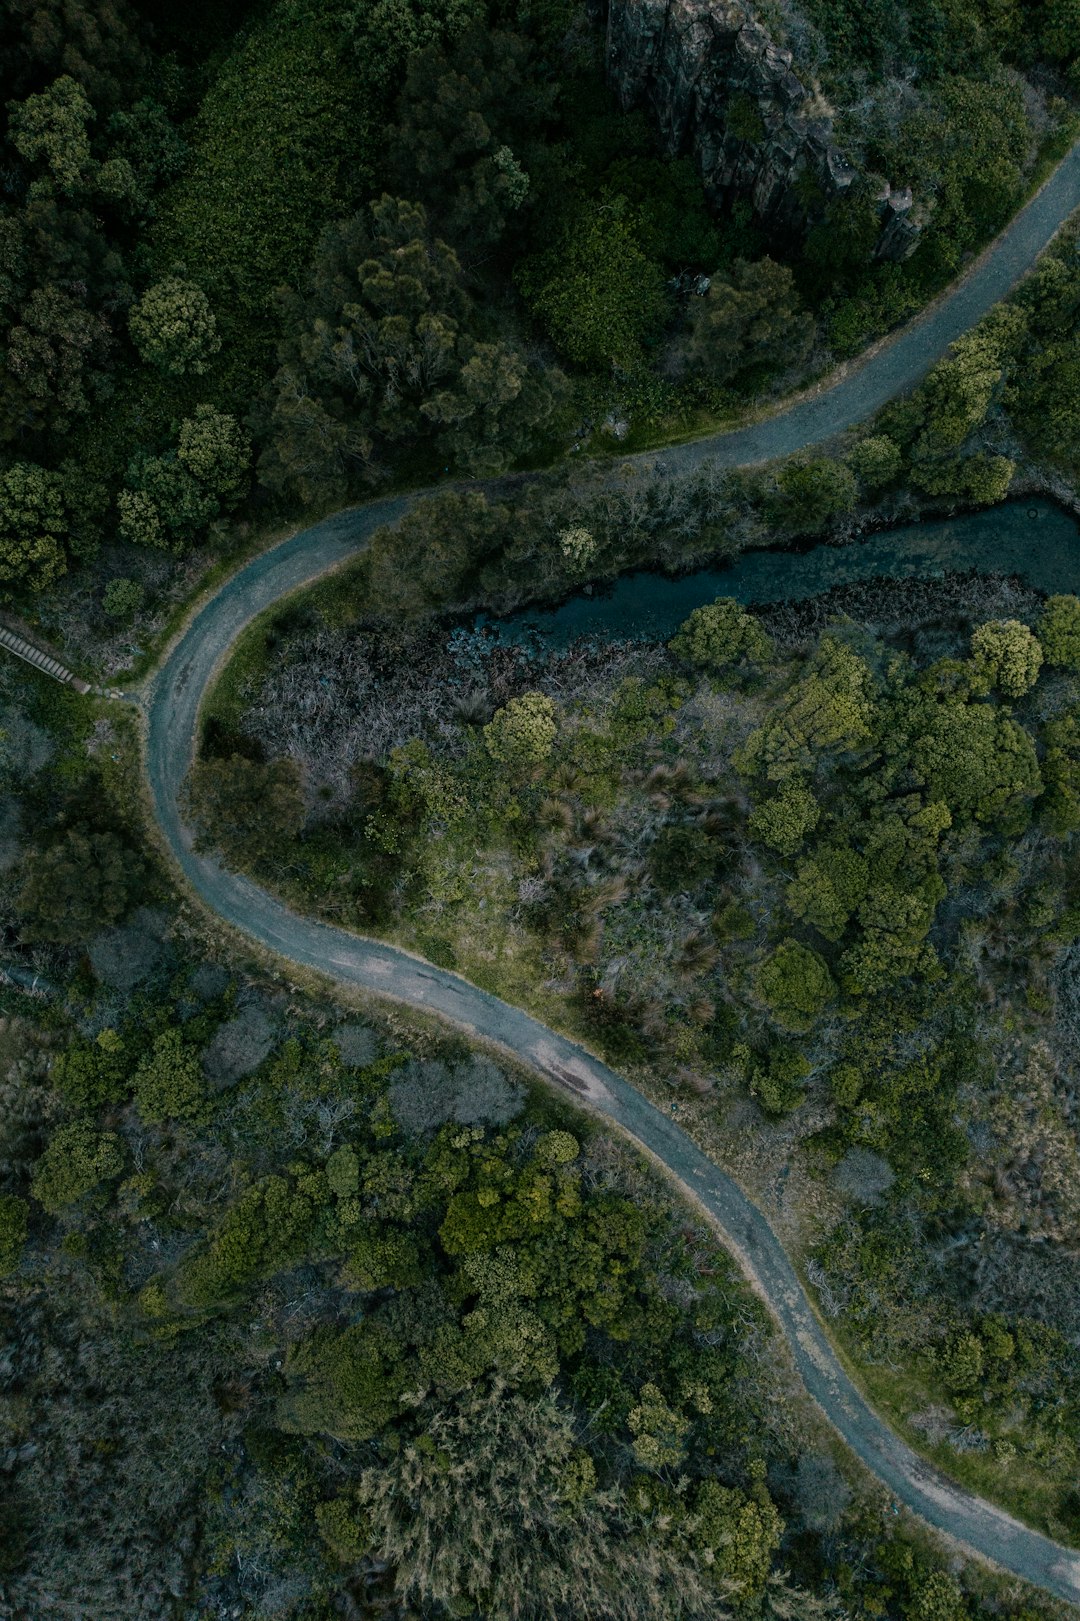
752,320
466,133
971,139
794,984
346,1385
264,1231
214,449
164,505
495,409
1060,804
79,885
388,34
122,598
1059,30
1007,656
980,478
778,1085
813,490
719,635
958,392
599,296
381,345
428,558
419,1511
88,1074
173,327
1059,632
659,1431
828,888
522,734
783,821
828,709
739,1532
52,128
243,808
78,1158
876,461
13,1216
55,347
168,1082
936,1597
979,761
33,526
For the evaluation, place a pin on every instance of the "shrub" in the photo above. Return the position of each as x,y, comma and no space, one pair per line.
168,1083
122,598
244,808
557,1148
33,526
77,1159
1059,632
522,735
599,296
784,821
266,1230
13,1213
86,880
719,635
1007,656
682,859
794,983
876,461
173,327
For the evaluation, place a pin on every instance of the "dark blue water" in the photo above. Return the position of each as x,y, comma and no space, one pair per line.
1033,539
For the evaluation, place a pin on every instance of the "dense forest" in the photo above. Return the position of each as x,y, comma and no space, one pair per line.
263,259
313,1310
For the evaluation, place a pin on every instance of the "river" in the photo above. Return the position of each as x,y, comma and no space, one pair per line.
1034,539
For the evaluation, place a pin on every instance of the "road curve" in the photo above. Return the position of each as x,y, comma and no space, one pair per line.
173,699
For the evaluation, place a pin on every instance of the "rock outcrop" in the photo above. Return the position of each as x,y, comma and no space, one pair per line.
720,87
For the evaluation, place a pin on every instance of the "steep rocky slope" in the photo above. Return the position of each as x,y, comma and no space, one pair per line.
721,88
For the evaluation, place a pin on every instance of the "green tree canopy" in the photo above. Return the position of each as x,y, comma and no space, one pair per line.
168,1081
719,635
77,1159
1007,656
173,327
33,526
79,885
599,296
244,808
794,984
522,734
1059,632
827,710
751,319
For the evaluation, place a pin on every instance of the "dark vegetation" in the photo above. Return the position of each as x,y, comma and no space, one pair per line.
833,873
261,260
306,1316
826,867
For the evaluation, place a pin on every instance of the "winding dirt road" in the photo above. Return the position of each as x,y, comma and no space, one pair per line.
173,697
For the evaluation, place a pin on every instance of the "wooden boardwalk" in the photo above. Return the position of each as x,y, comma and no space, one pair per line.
41,660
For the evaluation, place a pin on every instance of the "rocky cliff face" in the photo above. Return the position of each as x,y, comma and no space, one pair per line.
720,88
